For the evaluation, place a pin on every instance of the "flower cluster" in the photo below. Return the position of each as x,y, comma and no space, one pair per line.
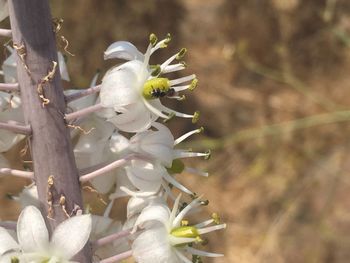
121,151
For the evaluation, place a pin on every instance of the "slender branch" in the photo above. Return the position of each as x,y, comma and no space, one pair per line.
5,32
108,239
9,225
9,87
16,128
118,257
83,112
18,173
82,93
109,167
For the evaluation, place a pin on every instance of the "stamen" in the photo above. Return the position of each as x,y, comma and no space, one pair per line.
195,203
181,53
174,68
211,229
175,241
162,44
188,154
186,135
196,171
204,224
182,80
175,183
134,193
196,116
153,39
154,110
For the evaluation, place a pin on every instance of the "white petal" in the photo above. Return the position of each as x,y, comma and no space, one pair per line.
120,86
145,176
152,246
123,50
103,184
29,196
136,119
118,143
157,143
31,230
71,235
63,67
9,68
7,242
160,213
136,204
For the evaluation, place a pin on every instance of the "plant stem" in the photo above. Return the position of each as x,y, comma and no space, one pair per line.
16,128
5,32
82,93
108,239
83,113
9,87
18,173
55,170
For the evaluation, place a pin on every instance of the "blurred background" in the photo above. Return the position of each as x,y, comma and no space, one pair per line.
274,96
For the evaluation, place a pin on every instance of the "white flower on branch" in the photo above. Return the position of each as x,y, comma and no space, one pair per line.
130,92
167,237
34,244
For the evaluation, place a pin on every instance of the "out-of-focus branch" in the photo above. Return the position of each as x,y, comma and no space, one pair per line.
83,113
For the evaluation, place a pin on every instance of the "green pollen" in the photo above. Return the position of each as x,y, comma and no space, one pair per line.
14,260
193,85
153,39
181,53
156,88
177,167
195,117
185,231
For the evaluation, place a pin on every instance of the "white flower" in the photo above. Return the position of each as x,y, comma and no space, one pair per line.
10,111
130,92
34,244
166,238
9,67
4,10
29,196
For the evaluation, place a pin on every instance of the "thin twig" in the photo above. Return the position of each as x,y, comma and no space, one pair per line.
82,113
109,167
9,87
16,128
5,32
82,93
18,173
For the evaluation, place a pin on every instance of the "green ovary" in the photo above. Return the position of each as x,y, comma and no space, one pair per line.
153,87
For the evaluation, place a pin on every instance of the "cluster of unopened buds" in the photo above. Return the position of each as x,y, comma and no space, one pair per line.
144,160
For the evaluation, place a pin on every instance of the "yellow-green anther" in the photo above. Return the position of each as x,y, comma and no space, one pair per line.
14,260
196,116
153,39
208,155
204,202
184,64
185,231
199,240
194,196
167,39
216,218
193,85
185,222
201,129
181,53
170,117
156,69
196,259
177,167
181,98
154,88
